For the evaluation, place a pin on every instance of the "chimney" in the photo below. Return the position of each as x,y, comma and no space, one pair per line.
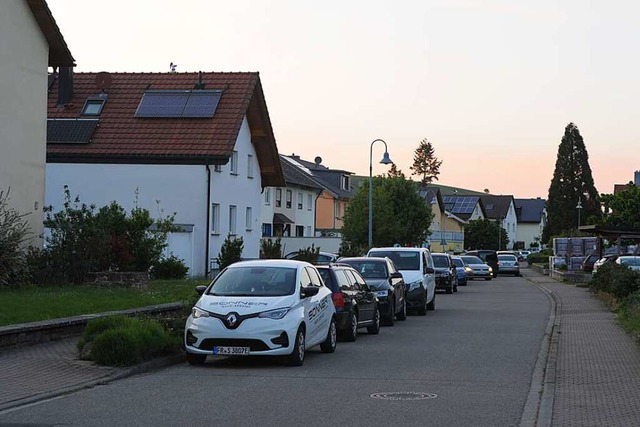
65,85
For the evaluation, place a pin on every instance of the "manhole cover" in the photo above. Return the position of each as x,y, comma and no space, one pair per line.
404,395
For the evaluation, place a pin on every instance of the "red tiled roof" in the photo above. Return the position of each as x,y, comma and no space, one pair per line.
122,137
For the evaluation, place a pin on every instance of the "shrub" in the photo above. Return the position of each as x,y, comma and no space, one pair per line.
169,268
271,249
230,252
615,279
14,232
123,341
539,258
309,254
348,249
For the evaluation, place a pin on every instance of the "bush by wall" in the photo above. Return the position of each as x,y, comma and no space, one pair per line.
309,254
169,268
122,341
14,234
615,279
230,252
271,249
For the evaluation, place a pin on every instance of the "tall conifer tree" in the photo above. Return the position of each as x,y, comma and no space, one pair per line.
425,163
572,182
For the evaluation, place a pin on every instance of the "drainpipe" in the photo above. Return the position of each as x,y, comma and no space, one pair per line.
208,223
315,213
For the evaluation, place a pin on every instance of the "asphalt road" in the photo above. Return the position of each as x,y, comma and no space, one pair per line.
468,363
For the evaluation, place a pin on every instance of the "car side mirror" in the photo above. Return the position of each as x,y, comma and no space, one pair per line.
429,270
396,275
200,289
309,291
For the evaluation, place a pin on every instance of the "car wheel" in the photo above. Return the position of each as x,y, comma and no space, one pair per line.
196,359
487,278
374,329
464,283
432,304
352,333
296,358
422,310
403,313
388,320
329,345
449,289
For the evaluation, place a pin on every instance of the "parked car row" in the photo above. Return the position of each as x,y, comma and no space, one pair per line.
285,307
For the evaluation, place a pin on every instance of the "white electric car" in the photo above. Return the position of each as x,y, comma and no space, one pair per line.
262,307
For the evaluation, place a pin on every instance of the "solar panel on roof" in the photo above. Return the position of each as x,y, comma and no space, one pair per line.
178,104
70,131
202,104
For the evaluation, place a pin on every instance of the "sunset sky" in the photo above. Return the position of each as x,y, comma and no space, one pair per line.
491,84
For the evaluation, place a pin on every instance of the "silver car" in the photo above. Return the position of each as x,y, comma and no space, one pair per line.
479,269
508,264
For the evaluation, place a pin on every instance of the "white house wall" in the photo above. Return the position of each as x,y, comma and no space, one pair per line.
302,217
239,190
527,233
23,110
510,224
161,189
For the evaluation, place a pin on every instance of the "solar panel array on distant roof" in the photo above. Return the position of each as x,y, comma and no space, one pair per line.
178,104
460,204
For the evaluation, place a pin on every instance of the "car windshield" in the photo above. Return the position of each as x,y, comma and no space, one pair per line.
457,262
370,269
635,261
255,282
439,260
404,260
472,260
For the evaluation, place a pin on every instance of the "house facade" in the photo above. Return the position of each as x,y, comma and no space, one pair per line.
532,217
195,145
290,211
31,42
332,202
502,209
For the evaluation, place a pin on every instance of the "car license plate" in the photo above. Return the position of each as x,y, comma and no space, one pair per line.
231,351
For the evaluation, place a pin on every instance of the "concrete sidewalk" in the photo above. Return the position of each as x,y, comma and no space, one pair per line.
593,372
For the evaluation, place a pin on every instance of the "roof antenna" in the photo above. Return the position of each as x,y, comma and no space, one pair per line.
173,66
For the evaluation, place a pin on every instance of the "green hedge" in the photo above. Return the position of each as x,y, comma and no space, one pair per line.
615,279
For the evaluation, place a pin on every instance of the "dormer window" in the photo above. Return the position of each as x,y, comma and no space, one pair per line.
93,106
344,182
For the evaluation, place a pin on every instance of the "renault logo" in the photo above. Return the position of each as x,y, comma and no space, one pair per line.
232,319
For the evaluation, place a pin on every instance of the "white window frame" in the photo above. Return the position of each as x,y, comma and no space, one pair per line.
234,163
249,218
278,197
215,218
309,202
217,168
288,199
300,200
233,213
267,197
250,166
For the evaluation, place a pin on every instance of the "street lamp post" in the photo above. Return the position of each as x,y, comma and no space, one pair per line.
385,161
579,208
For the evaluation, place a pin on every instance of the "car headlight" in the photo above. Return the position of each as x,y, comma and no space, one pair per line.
381,293
276,314
468,270
197,313
415,285
490,270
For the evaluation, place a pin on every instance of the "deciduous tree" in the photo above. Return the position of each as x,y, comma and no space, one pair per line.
399,214
483,234
622,209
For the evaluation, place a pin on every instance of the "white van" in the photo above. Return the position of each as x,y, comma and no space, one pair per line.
416,267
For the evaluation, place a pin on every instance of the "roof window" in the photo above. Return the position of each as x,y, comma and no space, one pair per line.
93,106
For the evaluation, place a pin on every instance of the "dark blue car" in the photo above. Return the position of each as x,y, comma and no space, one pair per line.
460,270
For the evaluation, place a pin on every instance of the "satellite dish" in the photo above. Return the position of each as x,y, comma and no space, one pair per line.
318,160
103,80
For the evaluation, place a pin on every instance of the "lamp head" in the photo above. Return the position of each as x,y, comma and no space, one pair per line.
579,206
385,159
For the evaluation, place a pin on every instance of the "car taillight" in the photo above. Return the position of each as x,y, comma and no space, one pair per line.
338,300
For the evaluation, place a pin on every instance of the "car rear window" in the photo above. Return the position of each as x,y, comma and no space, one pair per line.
370,269
440,260
327,278
404,260
507,258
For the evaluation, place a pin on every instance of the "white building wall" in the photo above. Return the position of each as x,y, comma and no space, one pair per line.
161,189
510,224
165,189
23,110
240,190
304,217
527,232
